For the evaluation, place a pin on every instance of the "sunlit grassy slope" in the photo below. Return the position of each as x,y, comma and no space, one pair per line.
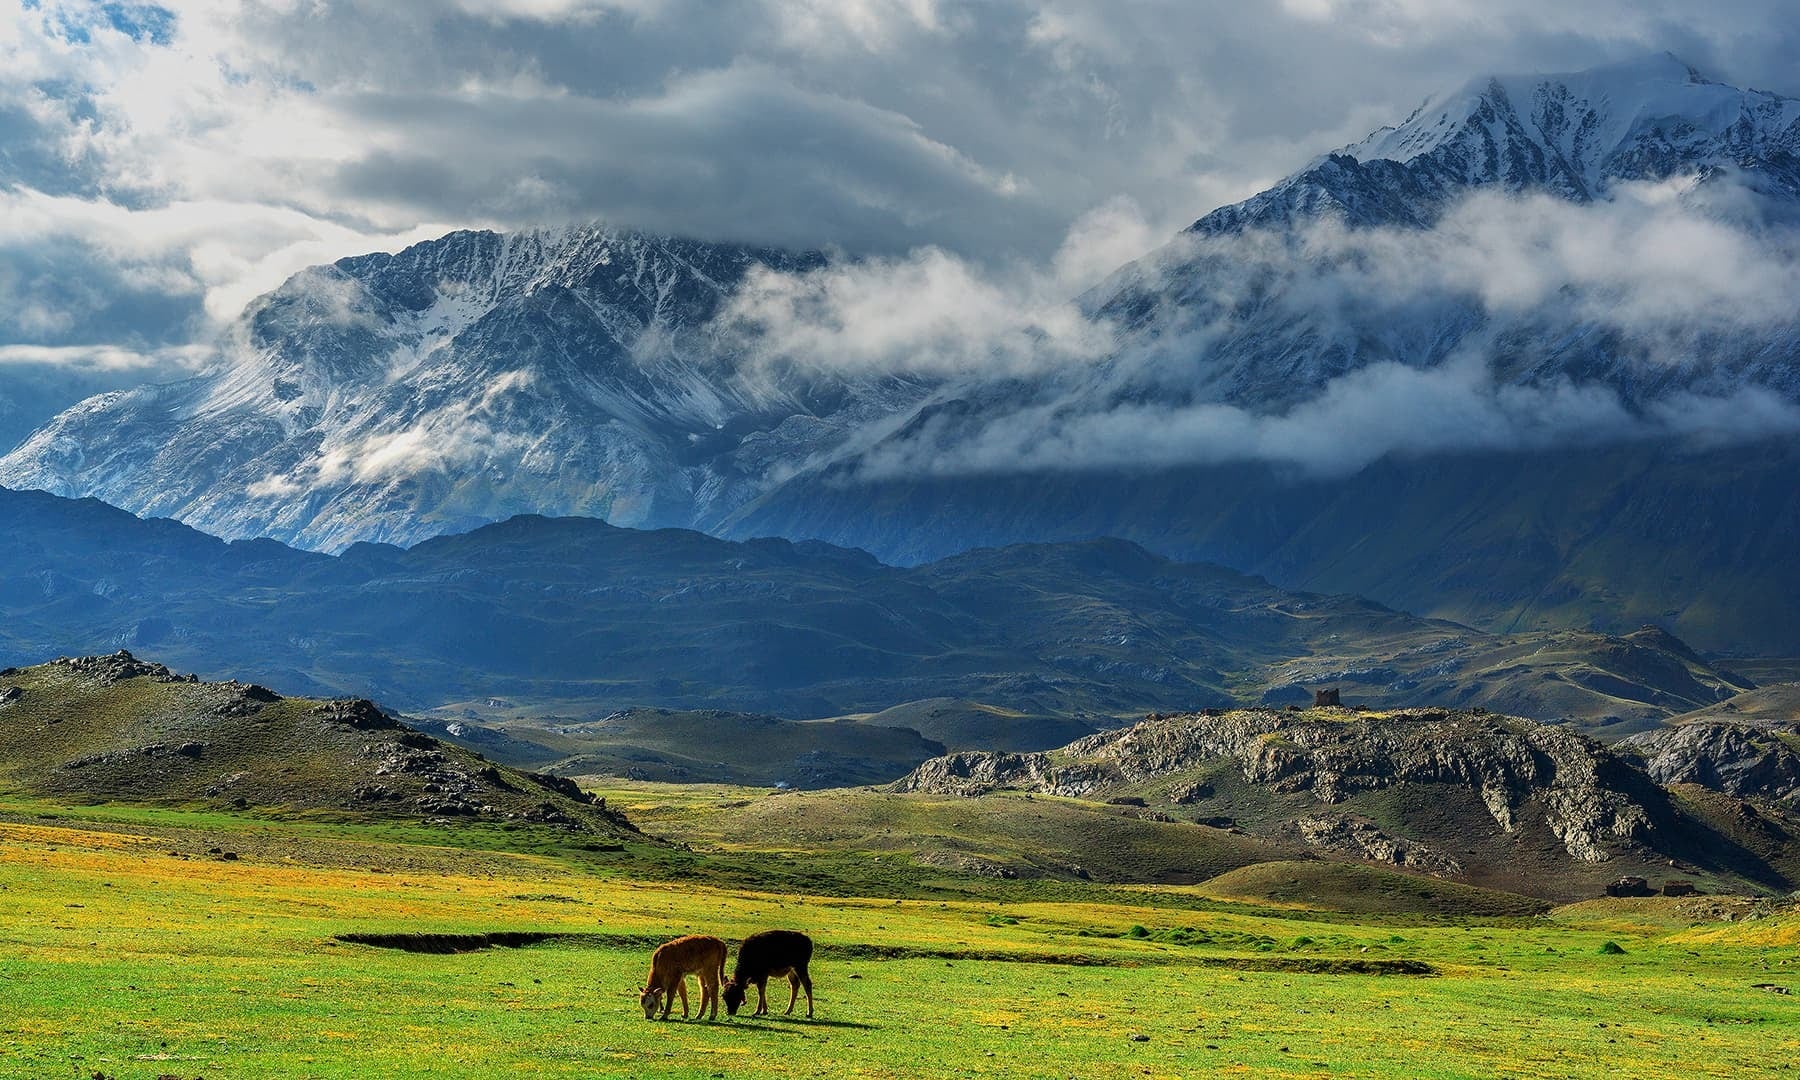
129,951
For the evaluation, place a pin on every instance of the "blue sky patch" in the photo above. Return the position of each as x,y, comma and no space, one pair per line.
142,23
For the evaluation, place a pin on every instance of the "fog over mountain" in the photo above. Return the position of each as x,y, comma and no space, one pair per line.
164,163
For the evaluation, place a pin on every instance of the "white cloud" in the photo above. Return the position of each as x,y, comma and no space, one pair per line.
1516,323
929,313
935,313
108,357
210,258
446,439
1643,260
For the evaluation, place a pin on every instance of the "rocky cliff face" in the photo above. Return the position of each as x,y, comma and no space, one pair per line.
1489,799
1750,762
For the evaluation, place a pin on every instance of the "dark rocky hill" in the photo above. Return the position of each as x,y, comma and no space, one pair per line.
1747,761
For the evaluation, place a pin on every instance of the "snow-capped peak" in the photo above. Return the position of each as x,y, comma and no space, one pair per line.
1572,135
1593,126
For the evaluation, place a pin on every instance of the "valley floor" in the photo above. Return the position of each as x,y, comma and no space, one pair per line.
129,949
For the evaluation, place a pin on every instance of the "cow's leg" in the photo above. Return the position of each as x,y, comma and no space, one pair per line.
793,991
806,981
762,996
681,988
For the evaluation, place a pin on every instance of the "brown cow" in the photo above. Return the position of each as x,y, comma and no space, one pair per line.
670,964
771,954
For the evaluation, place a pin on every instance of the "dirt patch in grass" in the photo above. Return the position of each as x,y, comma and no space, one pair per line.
445,944
1317,965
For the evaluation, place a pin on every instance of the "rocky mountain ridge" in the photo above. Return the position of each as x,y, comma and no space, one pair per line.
461,381
1469,794
1261,351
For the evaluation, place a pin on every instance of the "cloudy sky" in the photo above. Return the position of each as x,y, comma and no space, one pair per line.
161,164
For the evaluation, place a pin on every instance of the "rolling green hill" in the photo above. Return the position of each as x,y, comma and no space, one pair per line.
115,729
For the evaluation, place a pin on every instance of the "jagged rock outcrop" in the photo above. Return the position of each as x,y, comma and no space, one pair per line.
1737,759
1361,838
1587,796
359,713
117,667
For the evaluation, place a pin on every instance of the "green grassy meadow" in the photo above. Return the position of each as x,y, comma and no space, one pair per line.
127,949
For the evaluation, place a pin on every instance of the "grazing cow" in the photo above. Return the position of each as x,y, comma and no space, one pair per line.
669,967
771,954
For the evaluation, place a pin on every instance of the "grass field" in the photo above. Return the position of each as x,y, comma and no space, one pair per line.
127,950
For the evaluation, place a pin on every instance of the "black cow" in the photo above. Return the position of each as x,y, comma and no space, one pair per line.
771,954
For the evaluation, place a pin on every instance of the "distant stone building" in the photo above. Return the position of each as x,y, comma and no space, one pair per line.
1679,888
1630,886
1326,699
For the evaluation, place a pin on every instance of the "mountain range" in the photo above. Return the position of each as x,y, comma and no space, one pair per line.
1327,384
560,622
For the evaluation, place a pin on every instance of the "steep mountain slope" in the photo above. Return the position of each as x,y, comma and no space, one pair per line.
113,728
1492,800
461,381
574,616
